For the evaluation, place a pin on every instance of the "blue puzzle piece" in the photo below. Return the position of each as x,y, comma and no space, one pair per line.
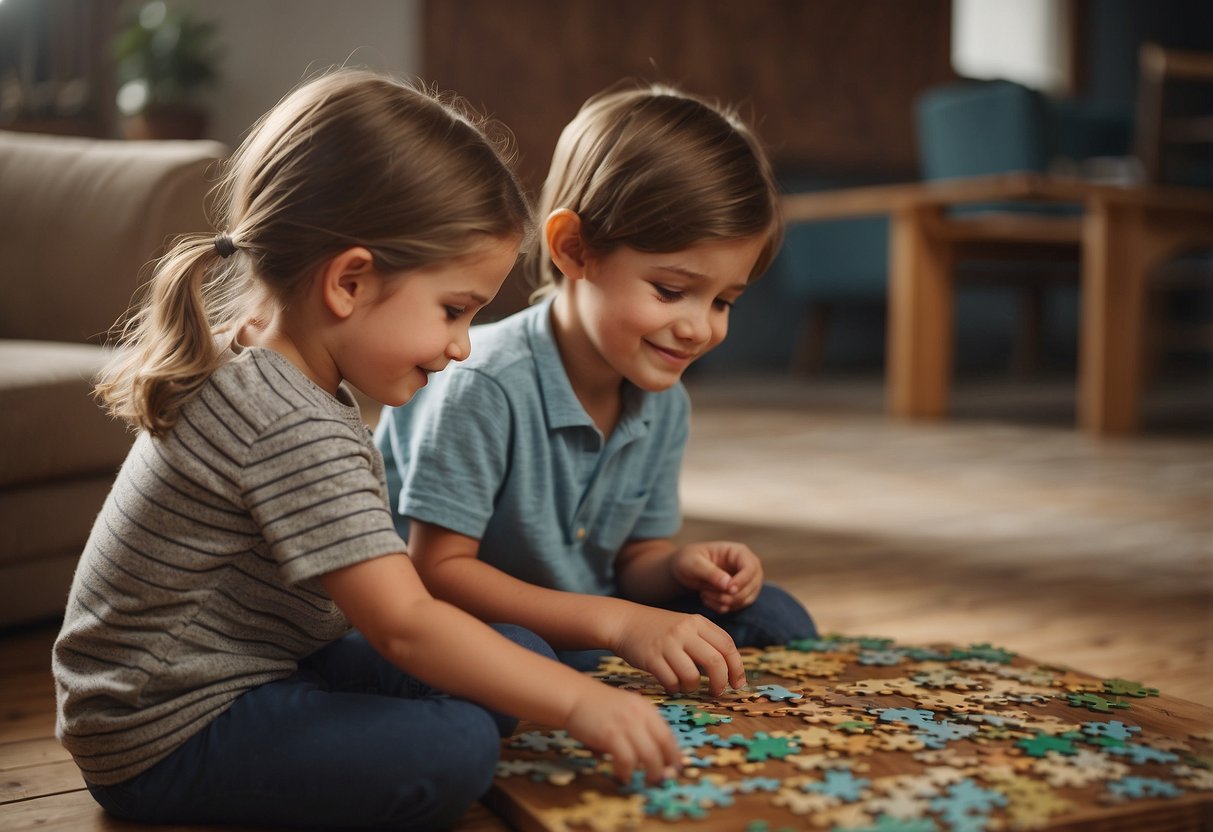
917,717
841,784
1113,729
1136,788
1141,754
939,734
777,693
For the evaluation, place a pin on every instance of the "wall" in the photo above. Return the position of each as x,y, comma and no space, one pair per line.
829,82
272,45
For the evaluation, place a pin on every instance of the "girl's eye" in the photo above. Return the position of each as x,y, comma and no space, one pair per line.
722,305
455,312
666,292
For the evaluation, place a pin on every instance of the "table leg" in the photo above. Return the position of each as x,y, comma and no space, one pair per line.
1121,246
1113,311
918,363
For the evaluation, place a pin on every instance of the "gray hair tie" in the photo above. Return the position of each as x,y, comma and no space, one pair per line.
224,245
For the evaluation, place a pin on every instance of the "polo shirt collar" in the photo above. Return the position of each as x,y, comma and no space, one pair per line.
560,403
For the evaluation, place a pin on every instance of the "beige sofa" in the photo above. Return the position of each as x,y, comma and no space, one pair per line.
79,219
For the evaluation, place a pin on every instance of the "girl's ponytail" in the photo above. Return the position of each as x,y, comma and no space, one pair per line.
167,349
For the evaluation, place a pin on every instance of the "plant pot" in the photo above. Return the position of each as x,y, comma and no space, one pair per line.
166,123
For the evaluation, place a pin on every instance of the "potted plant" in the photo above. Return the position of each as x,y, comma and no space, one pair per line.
165,59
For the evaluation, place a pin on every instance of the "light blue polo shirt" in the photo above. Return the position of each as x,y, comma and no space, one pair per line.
498,448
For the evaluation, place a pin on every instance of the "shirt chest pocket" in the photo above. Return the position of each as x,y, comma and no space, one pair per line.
615,523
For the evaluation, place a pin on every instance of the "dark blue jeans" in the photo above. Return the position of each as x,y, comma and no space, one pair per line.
775,617
347,741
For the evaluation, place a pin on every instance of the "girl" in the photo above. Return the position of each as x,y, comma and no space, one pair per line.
537,483
206,671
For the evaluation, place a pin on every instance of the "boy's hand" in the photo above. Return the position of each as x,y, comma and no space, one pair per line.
727,575
678,649
626,726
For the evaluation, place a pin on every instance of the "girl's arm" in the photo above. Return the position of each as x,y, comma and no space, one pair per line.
674,647
450,650
727,575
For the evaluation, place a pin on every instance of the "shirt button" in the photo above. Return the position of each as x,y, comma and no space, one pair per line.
581,533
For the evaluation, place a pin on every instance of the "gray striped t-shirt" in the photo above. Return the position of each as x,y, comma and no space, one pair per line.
199,580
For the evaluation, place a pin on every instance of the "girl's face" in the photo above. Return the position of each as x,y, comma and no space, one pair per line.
419,322
649,316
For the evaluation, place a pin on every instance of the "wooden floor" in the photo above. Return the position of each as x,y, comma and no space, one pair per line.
1000,525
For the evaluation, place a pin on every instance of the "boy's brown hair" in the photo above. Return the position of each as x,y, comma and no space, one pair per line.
658,170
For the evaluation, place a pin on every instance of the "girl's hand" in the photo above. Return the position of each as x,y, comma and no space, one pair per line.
626,726
678,648
727,575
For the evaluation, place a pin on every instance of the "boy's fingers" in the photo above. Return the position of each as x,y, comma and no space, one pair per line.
623,762
708,574
708,658
684,666
747,574
665,675
719,639
718,601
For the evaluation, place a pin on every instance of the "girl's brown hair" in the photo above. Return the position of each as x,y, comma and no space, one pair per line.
351,158
658,170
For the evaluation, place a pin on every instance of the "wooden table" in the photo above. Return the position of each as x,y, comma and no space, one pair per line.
1120,234
865,734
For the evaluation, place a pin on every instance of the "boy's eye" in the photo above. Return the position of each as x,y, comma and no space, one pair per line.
666,292
455,312
722,304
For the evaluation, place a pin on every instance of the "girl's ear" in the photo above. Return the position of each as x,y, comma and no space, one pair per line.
348,280
562,232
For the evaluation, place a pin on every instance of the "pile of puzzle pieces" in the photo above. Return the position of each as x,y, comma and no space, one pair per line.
863,735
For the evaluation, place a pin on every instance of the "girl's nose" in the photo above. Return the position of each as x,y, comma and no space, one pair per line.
460,348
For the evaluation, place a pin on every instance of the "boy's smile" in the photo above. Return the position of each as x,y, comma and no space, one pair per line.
646,317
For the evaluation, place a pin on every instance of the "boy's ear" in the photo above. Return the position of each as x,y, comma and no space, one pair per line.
562,232
346,280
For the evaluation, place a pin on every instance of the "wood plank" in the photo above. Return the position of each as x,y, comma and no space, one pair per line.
78,812
27,649
33,752
40,780
1007,228
22,684
36,720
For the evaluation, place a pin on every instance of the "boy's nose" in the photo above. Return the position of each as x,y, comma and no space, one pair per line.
693,326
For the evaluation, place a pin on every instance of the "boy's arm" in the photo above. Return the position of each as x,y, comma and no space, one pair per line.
674,647
449,564
644,571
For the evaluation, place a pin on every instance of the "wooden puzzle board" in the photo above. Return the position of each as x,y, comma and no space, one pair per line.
863,734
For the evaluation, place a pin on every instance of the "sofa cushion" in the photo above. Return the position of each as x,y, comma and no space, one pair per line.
43,529
52,428
82,218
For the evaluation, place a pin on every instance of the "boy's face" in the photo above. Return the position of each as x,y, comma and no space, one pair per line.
650,315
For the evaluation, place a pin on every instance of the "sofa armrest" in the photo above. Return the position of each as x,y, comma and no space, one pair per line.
81,219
